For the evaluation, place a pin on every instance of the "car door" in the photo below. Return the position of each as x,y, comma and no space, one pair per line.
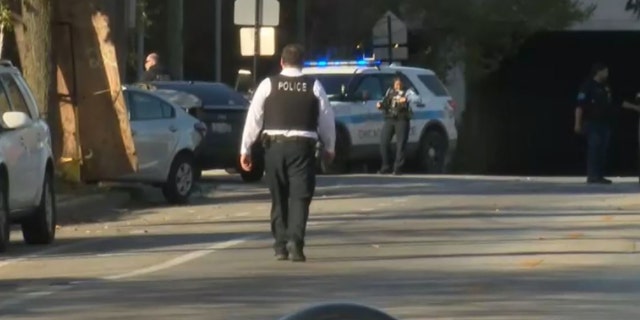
366,120
39,134
155,134
17,146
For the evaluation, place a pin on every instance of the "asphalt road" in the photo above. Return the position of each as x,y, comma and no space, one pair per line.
416,247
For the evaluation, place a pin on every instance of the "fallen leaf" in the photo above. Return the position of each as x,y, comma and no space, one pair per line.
576,236
607,218
531,263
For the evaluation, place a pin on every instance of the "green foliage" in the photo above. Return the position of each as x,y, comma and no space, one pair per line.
144,12
484,32
6,21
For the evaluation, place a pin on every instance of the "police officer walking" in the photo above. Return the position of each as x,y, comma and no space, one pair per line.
294,111
396,106
593,117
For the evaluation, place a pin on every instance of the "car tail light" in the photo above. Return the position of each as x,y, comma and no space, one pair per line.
452,104
201,128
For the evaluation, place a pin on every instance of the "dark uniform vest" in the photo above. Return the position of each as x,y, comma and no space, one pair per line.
291,105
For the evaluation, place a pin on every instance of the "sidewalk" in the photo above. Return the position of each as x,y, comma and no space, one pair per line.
88,203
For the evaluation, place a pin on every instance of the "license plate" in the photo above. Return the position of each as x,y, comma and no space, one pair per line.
221,127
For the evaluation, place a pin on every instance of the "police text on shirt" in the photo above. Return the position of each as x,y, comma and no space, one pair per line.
297,86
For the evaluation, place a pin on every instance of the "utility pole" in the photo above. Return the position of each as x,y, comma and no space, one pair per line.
302,21
175,9
140,30
256,40
218,40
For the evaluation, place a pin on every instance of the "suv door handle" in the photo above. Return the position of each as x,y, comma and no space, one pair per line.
173,128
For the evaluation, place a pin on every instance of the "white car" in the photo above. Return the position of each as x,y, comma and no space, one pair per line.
354,88
166,137
26,163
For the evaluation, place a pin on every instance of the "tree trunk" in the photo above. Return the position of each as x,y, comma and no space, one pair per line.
89,69
33,37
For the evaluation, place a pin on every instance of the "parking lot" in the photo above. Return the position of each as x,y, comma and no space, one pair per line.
417,247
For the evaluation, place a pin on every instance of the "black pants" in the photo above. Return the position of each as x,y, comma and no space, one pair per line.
400,127
598,136
291,176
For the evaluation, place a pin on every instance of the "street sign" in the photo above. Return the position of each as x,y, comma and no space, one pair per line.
389,30
399,53
244,13
267,41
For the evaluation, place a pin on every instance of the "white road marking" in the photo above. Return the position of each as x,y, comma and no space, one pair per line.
51,250
140,272
31,296
180,260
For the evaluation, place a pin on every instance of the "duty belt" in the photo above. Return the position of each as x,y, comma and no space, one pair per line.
282,138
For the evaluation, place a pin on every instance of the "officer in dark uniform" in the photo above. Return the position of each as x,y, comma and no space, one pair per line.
294,111
396,106
154,69
593,117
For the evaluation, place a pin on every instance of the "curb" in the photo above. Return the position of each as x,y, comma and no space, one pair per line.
88,208
119,196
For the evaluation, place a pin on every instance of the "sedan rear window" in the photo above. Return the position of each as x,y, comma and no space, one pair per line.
210,94
434,85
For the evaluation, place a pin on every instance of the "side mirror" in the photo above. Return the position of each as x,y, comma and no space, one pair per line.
15,119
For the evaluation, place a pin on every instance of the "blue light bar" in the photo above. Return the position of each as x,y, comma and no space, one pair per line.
353,63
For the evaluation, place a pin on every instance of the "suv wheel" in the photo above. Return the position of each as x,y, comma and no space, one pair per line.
40,228
180,183
433,149
5,224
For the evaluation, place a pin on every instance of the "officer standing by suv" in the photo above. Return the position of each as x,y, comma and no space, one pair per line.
294,111
593,117
396,106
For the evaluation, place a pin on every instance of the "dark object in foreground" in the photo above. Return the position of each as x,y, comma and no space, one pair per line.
341,311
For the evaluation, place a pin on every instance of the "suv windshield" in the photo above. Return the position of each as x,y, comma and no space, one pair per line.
434,85
332,83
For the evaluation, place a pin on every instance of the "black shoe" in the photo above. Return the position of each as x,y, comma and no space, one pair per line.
599,181
296,252
397,172
282,255
384,171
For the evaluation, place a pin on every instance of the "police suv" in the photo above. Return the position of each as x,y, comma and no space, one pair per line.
354,88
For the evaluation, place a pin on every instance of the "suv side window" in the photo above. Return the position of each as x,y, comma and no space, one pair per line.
369,88
15,95
387,81
147,107
4,102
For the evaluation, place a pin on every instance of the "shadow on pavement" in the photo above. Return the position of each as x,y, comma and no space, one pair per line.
374,186
578,294
230,189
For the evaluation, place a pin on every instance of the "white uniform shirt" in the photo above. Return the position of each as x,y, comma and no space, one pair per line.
255,116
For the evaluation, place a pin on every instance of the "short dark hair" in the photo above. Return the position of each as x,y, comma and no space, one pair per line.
293,55
597,67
